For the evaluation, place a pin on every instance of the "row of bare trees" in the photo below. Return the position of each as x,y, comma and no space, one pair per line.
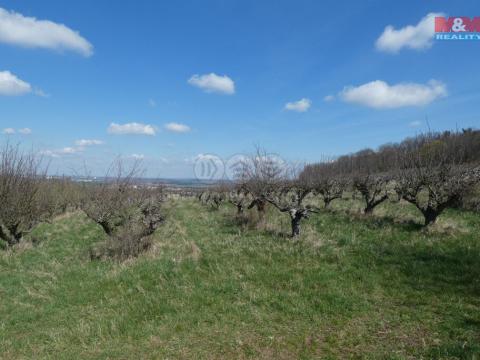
128,214
27,195
262,180
432,171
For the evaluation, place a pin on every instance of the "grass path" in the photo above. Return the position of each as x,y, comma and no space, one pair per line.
351,287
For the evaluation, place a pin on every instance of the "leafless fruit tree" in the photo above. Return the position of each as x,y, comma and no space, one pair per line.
432,176
239,197
259,174
127,213
372,188
289,198
325,181
21,206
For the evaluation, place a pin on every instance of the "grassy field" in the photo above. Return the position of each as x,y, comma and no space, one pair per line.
350,287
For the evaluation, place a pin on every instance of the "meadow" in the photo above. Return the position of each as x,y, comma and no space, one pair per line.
213,286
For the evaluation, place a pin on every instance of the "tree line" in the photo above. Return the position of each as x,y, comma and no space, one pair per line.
433,171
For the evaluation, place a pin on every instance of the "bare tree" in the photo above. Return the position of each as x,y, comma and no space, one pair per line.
216,198
239,197
259,175
20,177
325,180
372,188
432,174
58,195
289,199
109,203
126,212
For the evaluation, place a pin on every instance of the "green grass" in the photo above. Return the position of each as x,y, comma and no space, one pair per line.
351,287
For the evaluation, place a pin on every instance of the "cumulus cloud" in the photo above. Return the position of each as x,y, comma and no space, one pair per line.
213,83
16,29
329,98
8,131
131,128
301,105
417,37
64,151
178,128
25,131
88,142
80,147
380,95
10,85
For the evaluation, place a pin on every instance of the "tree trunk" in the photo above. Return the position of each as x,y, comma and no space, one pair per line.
326,202
296,226
106,227
430,215
11,238
296,216
368,209
261,210
239,209
372,204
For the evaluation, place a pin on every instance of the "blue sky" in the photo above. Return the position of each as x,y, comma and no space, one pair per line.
146,66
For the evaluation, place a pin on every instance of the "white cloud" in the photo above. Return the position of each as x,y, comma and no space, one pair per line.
299,106
179,128
20,30
64,151
380,95
137,156
88,142
213,83
23,131
131,128
415,37
50,153
329,98
415,124
41,93
70,150
10,85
